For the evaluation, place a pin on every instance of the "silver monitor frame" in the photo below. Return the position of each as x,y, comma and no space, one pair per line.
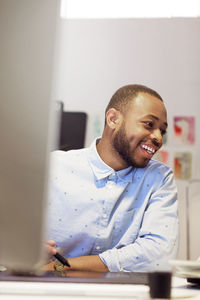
27,54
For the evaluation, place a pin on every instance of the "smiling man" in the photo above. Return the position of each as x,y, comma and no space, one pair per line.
112,207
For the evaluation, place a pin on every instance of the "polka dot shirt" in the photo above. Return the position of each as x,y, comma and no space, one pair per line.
127,217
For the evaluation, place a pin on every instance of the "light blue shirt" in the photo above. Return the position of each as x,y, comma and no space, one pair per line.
128,217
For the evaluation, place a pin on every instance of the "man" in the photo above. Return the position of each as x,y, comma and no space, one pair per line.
113,208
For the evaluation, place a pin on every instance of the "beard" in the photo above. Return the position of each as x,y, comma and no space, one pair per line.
122,146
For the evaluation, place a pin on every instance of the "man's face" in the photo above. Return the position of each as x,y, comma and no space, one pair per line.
141,132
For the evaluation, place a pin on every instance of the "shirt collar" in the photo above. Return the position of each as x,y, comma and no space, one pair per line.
101,170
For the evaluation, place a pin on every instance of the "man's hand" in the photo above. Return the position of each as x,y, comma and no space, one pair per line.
82,263
50,251
50,247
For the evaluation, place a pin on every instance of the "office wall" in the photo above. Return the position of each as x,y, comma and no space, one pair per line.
96,57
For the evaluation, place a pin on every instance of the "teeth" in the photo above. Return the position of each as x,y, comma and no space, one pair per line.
149,149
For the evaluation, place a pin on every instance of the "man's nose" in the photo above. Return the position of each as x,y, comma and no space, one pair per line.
157,137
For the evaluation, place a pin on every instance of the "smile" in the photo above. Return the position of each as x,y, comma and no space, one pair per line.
148,149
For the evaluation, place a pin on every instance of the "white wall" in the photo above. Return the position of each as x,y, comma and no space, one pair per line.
96,57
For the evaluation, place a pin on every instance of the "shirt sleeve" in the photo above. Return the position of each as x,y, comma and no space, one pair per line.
157,240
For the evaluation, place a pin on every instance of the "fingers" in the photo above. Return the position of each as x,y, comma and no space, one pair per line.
50,247
51,250
51,243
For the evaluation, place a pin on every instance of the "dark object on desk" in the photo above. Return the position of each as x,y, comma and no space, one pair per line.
62,259
195,281
160,284
83,277
72,130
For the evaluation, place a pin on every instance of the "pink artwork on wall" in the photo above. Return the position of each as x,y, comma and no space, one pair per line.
183,165
162,156
184,130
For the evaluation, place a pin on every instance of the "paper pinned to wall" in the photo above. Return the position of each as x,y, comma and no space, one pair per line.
162,156
184,130
183,165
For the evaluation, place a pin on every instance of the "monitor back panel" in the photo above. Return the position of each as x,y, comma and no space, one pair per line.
27,30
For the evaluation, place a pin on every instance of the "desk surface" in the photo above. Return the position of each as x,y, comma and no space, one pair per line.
81,277
15,290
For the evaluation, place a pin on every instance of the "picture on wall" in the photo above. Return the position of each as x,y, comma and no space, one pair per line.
183,165
184,130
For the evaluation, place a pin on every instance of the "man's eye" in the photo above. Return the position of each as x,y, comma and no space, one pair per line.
149,124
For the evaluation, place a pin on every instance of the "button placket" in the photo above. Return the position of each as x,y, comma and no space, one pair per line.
106,207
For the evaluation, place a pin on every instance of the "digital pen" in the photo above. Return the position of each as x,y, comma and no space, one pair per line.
62,259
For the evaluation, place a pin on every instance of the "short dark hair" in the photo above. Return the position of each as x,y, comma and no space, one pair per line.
126,93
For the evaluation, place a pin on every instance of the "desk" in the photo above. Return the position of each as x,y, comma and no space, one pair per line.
19,290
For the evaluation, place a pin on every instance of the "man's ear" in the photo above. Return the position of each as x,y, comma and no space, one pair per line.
113,118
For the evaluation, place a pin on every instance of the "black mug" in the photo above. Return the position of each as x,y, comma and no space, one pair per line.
160,284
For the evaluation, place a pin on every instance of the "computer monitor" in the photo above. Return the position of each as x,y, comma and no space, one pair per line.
72,130
28,34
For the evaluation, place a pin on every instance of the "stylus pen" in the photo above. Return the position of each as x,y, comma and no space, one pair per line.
62,259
